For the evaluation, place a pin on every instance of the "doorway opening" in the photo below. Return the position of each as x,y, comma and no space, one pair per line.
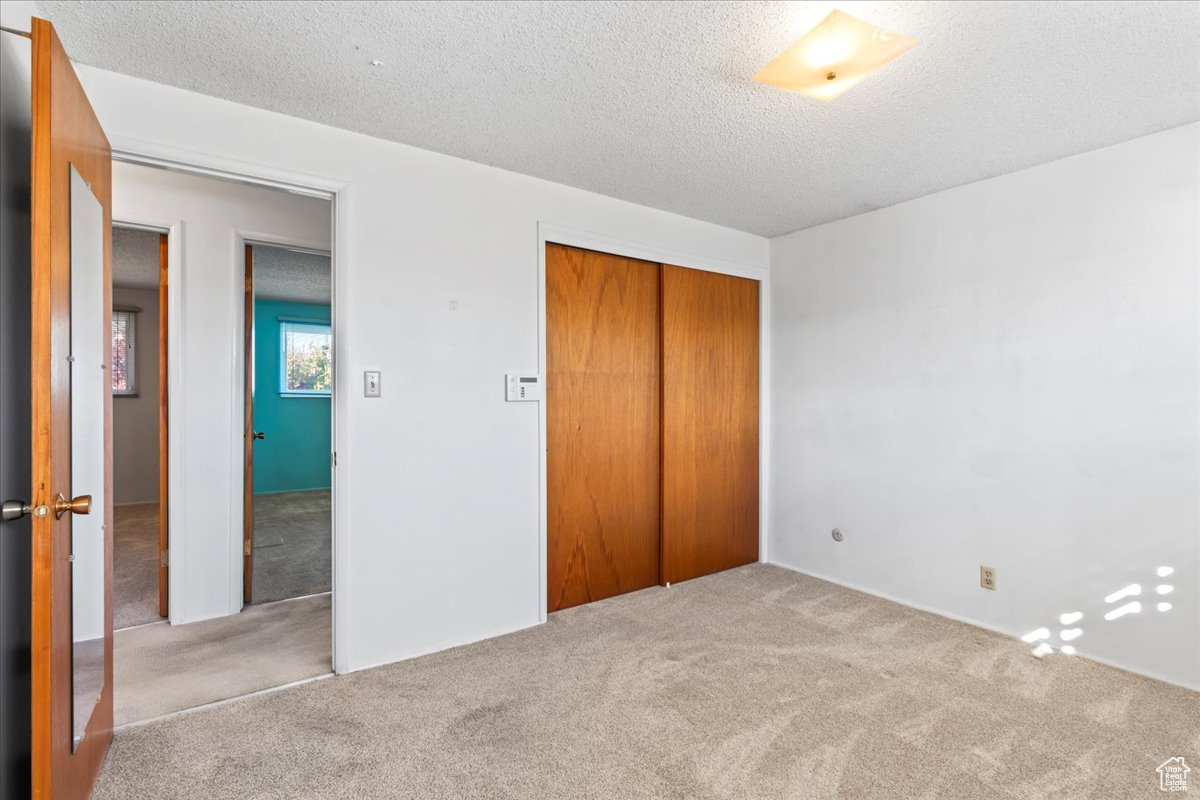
238,624
139,388
288,523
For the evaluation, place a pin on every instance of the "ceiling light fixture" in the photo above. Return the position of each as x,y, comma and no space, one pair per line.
834,56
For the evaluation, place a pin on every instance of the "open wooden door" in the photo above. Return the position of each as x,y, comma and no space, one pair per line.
250,435
71,391
163,541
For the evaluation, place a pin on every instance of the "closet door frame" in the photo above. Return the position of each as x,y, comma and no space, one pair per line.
550,233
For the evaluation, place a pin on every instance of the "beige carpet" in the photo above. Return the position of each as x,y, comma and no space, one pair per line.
163,668
755,683
293,545
135,565
292,553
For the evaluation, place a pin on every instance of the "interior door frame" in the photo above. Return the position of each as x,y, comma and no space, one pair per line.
245,242
171,396
552,233
164,483
338,193
168,237
247,423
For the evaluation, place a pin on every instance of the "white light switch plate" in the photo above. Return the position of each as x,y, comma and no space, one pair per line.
371,387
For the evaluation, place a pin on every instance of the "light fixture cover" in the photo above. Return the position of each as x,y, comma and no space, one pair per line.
832,57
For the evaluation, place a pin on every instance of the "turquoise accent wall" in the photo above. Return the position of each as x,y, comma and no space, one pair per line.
294,456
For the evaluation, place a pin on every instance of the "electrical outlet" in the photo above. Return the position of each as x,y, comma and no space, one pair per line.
987,577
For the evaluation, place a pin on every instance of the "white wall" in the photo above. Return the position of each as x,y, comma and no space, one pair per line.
135,417
205,323
436,502
1006,373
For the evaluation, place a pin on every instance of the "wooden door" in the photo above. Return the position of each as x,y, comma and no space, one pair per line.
71,196
602,418
163,541
710,422
248,429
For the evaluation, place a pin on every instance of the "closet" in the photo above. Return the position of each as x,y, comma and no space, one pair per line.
652,424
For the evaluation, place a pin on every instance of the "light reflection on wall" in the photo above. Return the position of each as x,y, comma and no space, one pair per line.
1040,637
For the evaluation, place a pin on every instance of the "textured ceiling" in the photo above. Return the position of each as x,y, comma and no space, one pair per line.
283,274
134,258
279,272
651,101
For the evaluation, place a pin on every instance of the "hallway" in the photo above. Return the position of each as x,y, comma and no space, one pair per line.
162,668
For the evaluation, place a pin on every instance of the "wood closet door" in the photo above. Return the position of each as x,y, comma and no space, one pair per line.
602,419
710,422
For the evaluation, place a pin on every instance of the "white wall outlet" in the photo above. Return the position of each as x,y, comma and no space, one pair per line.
987,577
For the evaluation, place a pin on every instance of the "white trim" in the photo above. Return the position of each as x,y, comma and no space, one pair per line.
241,238
977,624
338,193
137,226
577,237
443,647
311,251
139,151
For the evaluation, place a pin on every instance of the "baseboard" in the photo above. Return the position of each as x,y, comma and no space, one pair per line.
1195,687
432,650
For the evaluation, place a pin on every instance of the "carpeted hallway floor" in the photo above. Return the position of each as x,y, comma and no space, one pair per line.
162,668
293,553
754,683
135,565
293,545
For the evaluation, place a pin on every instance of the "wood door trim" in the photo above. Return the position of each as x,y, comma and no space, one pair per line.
663,580
66,132
248,428
163,483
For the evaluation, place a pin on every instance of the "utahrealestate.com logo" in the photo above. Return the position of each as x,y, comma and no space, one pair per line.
1172,775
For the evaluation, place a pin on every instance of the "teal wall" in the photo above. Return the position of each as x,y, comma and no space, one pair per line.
295,453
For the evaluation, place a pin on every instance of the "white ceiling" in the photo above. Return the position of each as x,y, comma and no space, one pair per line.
134,258
280,273
284,274
651,101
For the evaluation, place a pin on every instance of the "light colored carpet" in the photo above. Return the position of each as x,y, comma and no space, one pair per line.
293,545
135,565
163,668
754,683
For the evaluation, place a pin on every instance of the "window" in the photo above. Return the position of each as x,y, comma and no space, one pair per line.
124,354
305,359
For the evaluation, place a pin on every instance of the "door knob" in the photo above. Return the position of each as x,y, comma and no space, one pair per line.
258,435
76,505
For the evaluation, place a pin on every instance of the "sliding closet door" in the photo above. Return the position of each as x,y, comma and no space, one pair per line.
602,415
710,422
